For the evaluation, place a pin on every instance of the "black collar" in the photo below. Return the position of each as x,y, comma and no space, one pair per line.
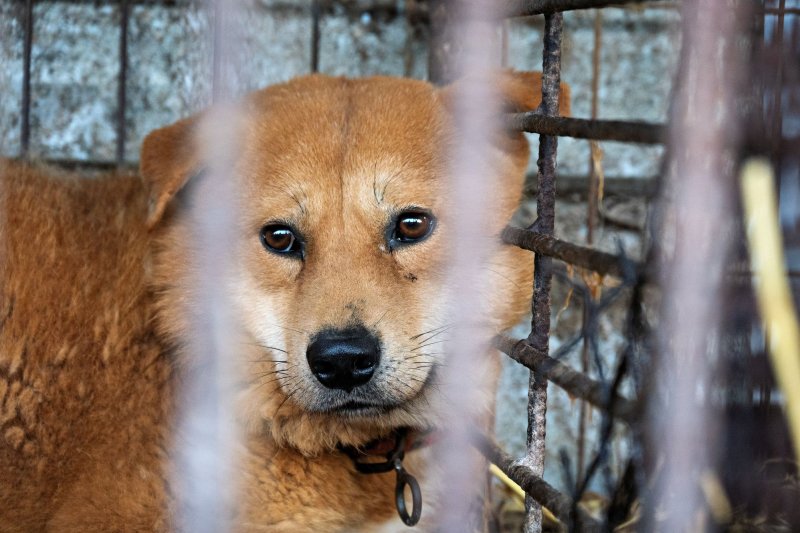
393,449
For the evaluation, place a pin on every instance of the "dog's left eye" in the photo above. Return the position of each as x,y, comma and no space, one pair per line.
412,226
280,239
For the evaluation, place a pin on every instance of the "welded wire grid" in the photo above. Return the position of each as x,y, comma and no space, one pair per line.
741,485
680,477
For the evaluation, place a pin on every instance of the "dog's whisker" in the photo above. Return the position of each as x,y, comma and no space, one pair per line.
268,360
267,382
434,335
292,393
278,378
423,365
496,273
381,318
261,345
434,330
428,344
415,355
290,329
273,348
426,332
398,381
286,398
427,360
270,373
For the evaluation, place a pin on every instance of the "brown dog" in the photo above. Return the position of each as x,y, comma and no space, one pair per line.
342,226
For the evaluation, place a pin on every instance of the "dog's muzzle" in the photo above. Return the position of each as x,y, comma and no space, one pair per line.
344,358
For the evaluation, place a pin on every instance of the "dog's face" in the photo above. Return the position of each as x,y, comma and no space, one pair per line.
342,223
343,270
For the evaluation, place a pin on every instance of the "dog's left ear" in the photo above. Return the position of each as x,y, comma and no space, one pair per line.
518,91
522,91
168,159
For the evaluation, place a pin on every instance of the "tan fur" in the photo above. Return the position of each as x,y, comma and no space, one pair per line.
84,387
97,290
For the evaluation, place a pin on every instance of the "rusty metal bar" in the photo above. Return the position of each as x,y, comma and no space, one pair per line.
315,20
444,46
536,487
216,51
25,122
122,80
589,258
598,130
669,4
594,178
575,383
777,118
699,221
569,185
527,8
518,9
539,336
782,11
593,208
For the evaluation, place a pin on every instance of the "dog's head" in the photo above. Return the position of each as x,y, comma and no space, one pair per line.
343,220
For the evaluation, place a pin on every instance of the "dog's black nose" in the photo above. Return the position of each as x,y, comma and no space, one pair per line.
344,358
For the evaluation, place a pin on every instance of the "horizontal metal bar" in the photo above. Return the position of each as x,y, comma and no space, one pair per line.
416,11
536,487
664,4
600,262
86,165
572,381
166,3
527,8
569,185
598,130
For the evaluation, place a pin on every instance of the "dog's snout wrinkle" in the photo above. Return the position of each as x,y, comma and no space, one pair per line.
344,359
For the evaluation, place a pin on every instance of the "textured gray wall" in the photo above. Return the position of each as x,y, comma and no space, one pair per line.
74,91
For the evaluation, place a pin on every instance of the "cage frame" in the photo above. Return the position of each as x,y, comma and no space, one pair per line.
533,351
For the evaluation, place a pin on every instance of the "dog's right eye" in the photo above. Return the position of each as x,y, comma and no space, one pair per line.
281,239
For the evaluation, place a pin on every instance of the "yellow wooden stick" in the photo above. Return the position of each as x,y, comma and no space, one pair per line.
772,286
499,474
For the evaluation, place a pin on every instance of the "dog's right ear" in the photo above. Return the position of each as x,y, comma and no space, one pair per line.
169,157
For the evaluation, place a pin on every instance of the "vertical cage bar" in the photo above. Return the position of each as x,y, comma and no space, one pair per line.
315,20
217,82
207,438
122,79
539,337
593,176
464,383
442,52
777,118
704,138
25,124
406,7
592,205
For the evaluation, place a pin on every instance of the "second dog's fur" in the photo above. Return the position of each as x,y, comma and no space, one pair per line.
99,299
